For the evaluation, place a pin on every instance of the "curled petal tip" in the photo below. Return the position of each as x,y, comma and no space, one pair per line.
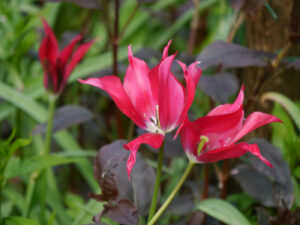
243,87
130,50
198,62
81,81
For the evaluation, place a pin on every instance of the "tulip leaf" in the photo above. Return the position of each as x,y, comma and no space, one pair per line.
17,220
36,163
39,113
286,103
223,211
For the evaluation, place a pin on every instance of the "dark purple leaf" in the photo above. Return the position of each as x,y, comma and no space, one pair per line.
270,186
220,86
262,216
255,184
232,55
122,212
247,6
173,148
295,64
295,22
66,117
181,205
89,4
111,174
281,171
196,218
286,217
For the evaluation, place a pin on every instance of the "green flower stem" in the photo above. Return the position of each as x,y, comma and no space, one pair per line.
51,108
157,182
35,174
173,194
29,193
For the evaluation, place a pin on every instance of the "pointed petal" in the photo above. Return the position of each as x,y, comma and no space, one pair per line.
166,49
154,74
232,151
112,85
171,96
137,86
49,48
192,76
218,123
229,108
76,57
254,121
67,51
154,140
50,76
189,139
219,129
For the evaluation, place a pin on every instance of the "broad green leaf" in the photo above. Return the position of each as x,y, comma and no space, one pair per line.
37,163
286,103
223,211
39,113
17,220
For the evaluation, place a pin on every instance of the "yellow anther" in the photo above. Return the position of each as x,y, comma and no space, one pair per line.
157,116
203,141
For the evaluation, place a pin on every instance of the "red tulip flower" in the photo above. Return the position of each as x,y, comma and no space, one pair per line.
153,99
59,65
213,137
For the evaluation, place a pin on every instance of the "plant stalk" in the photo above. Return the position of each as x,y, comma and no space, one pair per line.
173,194
157,183
51,109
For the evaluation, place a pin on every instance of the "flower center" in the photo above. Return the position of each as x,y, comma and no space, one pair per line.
154,124
203,141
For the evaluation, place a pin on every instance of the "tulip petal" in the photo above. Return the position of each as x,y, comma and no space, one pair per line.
49,48
154,140
254,121
76,57
112,85
232,151
137,86
189,138
171,96
67,52
192,76
50,76
229,108
166,50
154,74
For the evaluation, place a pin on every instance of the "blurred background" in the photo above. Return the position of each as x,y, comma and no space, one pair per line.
250,42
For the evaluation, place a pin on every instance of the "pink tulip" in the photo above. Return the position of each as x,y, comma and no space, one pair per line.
213,137
153,99
59,65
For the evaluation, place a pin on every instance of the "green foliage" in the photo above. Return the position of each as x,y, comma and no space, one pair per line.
7,149
222,211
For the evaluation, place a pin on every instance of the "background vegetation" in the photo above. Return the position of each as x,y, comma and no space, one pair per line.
237,41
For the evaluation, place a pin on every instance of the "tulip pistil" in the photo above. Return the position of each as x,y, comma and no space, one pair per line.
203,141
157,117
